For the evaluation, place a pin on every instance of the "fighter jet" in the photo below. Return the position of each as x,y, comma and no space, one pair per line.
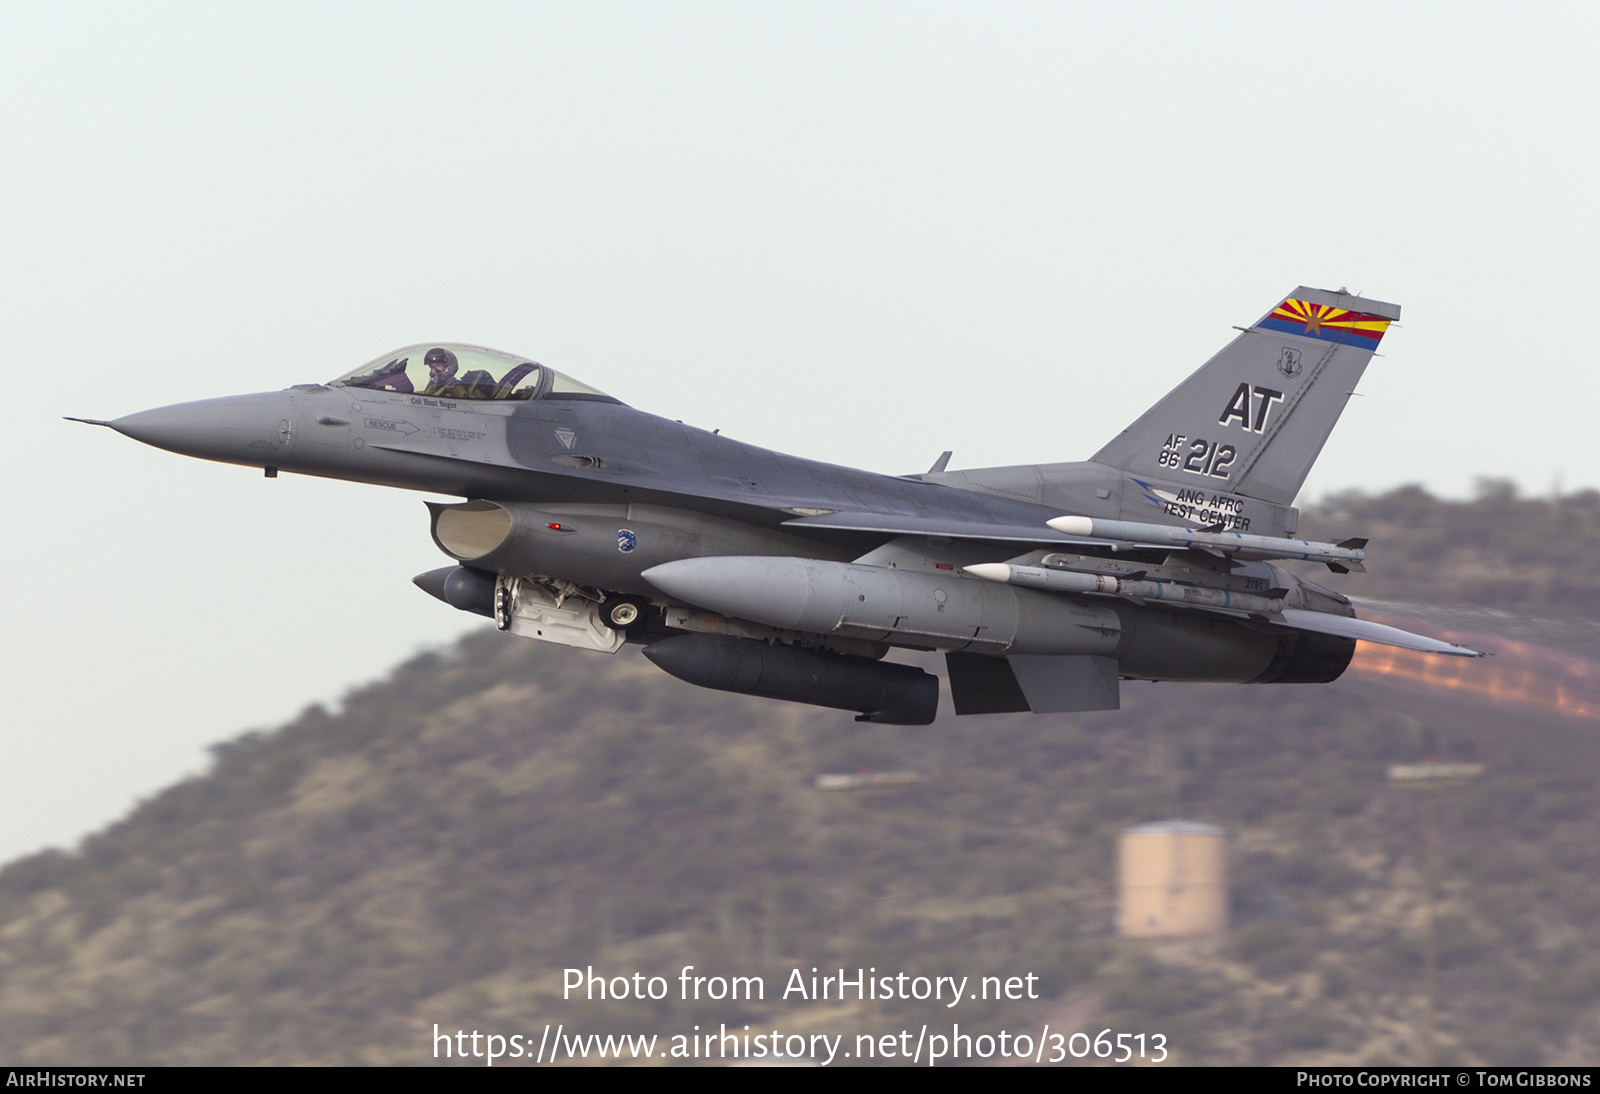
585,522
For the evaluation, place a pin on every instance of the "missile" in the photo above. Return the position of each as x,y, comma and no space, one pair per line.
885,692
1071,581
1341,557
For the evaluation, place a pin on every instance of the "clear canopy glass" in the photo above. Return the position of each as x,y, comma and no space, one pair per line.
449,370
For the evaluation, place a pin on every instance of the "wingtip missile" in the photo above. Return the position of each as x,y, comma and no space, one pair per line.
1219,543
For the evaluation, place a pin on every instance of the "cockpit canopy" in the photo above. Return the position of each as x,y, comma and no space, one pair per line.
448,370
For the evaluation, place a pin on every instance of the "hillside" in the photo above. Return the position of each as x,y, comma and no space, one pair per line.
449,840
1537,556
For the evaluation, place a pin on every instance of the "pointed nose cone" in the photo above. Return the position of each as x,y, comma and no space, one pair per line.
432,582
249,429
460,587
676,658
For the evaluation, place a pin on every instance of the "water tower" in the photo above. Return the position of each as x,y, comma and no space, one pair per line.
1172,880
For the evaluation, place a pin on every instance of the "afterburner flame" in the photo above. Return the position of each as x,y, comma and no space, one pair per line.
1518,673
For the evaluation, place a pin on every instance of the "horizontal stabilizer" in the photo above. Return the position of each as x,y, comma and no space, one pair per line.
1366,630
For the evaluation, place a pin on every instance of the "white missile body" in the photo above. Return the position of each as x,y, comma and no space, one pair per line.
1231,543
1071,581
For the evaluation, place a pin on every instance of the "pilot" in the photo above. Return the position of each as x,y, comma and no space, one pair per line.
442,381
441,370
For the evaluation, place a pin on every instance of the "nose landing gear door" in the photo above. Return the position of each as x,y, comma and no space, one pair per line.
525,607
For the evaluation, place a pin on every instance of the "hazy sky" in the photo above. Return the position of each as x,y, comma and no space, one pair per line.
865,232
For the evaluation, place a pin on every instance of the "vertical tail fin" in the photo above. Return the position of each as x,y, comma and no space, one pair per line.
1253,419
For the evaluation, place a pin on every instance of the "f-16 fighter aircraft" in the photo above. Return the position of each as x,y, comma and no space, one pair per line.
588,523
